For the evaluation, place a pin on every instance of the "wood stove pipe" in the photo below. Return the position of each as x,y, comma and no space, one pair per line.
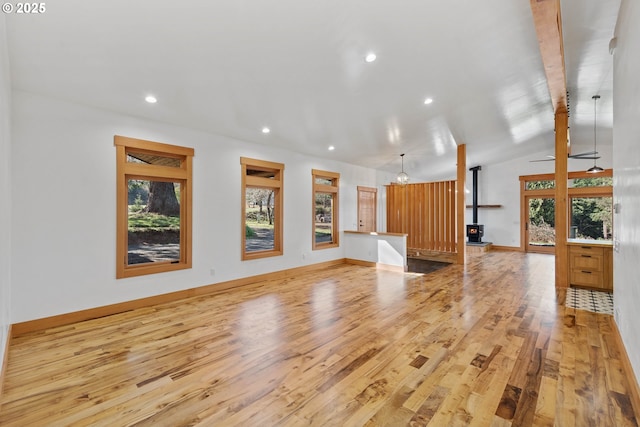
475,170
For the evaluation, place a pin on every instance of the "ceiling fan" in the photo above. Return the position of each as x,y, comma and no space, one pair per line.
587,155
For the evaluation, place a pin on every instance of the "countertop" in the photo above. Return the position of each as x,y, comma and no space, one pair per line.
588,242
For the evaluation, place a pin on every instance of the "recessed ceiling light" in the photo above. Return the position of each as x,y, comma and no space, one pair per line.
428,101
266,130
331,148
370,57
151,99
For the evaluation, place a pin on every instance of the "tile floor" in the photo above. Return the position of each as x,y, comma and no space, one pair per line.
585,299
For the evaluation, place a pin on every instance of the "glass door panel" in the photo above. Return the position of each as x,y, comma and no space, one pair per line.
540,224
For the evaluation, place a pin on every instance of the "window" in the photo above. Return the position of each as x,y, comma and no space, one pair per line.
591,204
590,208
600,181
539,185
325,209
262,194
153,207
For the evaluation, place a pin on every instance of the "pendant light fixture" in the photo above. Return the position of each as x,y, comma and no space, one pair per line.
403,178
595,168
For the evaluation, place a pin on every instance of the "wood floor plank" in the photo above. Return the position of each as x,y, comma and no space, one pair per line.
482,344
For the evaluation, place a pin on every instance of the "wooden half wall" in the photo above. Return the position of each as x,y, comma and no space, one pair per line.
426,212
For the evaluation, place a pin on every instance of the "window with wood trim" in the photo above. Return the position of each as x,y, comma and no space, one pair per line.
262,195
325,231
154,193
590,208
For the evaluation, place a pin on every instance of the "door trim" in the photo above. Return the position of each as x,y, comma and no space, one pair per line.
375,205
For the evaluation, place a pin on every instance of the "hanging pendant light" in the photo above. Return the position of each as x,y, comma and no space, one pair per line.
402,178
594,168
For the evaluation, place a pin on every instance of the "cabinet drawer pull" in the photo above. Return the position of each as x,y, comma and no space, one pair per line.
585,256
586,247
586,272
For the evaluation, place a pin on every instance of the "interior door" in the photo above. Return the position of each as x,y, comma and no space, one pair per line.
540,232
367,203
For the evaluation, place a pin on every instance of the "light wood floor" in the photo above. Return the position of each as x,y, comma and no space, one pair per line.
347,346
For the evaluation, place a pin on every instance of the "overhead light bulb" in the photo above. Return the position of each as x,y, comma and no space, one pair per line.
331,148
370,57
266,130
428,101
402,178
151,99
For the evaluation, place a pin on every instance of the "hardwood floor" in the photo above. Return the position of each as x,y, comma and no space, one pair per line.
486,344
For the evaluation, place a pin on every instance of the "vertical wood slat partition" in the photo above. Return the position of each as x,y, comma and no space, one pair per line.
452,217
426,212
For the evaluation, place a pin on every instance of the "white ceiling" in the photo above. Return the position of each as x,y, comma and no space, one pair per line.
231,67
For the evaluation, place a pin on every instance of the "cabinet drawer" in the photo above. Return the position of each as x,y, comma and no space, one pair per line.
587,278
585,249
587,262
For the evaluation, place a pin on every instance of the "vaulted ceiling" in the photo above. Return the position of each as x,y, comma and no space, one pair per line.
233,67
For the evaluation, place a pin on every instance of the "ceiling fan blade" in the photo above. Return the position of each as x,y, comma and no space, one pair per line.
548,159
585,157
582,155
543,160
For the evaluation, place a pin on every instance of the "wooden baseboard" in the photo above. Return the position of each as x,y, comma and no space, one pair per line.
506,248
5,360
93,313
379,266
634,389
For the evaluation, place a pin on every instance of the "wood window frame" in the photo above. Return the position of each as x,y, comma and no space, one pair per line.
603,191
334,190
277,184
125,171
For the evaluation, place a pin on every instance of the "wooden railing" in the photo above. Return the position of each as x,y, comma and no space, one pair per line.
426,212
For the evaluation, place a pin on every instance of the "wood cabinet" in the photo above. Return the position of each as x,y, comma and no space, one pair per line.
591,265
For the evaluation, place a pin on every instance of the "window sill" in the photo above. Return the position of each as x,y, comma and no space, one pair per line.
260,254
325,246
141,270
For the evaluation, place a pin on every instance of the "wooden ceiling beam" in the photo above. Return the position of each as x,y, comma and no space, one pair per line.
548,23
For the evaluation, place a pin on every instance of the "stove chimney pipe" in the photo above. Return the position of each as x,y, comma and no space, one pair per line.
475,170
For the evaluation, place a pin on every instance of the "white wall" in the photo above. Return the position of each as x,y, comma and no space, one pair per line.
64,194
5,191
626,190
499,184
390,250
